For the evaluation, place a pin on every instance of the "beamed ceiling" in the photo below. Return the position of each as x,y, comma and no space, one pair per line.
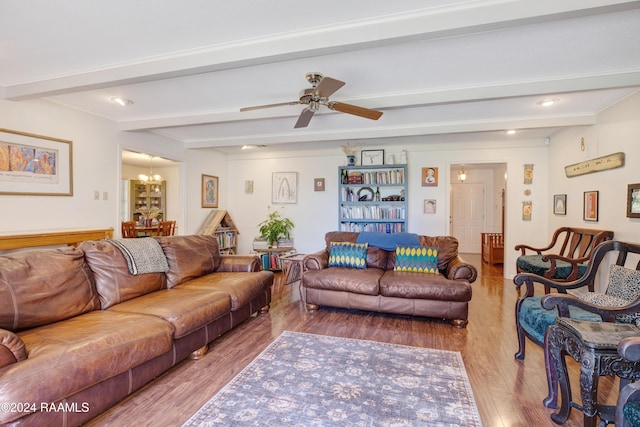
437,69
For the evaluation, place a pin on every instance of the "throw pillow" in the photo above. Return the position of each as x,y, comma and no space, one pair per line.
417,259
350,255
623,282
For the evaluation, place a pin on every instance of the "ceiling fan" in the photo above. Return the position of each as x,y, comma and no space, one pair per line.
317,95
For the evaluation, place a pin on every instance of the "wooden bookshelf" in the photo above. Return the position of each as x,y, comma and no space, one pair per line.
220,224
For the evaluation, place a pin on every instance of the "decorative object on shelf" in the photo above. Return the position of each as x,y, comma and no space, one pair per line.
590,205
633,201
527,208
248,186
430,177
275,227
430,206
403,157
350,151
151,178
209,191
35,165
284,187
560,204
318,184
364,197
611,161
371,157
462,175
528,173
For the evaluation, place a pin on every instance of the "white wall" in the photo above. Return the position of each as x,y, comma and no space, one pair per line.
617,130
315,213
97,144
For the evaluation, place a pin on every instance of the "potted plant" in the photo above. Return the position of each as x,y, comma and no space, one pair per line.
275,227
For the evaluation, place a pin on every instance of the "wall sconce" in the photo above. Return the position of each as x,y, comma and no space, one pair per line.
462,175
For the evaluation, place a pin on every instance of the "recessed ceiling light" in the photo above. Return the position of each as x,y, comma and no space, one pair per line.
121,101
548,102
511,132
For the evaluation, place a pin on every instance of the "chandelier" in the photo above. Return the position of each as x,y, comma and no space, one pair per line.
151,178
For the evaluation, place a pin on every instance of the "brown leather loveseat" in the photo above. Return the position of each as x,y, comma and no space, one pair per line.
78,331
378,287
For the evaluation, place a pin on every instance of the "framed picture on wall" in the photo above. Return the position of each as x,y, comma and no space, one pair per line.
209,191
590,205
35,165
633,201
284,187
560,204
430,177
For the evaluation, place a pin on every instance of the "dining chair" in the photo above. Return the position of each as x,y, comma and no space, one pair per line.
166,228
129,229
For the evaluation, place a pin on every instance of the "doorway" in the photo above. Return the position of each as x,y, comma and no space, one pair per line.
477,203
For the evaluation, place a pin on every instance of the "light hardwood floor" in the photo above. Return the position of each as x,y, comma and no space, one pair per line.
508,392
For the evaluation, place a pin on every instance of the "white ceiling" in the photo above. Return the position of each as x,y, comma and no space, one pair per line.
436,68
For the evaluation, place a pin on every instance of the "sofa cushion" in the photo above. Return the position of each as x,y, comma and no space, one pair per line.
417,259
241,287
365,282
69,356
346,254
114,283
623,282
186,309
189,257
38,287
436,287
376,257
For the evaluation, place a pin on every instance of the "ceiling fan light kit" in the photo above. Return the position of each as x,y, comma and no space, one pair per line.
317,95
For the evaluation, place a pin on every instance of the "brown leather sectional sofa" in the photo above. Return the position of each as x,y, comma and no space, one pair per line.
78,332
379,288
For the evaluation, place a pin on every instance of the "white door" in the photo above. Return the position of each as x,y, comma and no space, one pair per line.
467,216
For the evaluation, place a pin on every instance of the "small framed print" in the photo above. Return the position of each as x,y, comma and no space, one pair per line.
430,206
209,191
371,157
430,177
248,186
318,184
590,206
560,204
633,201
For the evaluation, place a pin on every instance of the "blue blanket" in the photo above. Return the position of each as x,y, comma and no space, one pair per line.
388,241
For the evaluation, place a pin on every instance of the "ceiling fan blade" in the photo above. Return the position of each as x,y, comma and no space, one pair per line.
279,104
305,118
355,110
328,86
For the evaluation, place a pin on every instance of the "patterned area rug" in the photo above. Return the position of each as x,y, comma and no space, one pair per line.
316,380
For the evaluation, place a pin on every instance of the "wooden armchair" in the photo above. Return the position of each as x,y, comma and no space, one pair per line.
569,262
534,314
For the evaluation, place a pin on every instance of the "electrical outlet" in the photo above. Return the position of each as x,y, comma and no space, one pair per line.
105,195
96,195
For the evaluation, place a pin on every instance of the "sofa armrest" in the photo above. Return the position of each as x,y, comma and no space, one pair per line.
316,261
12,348
458,269
239,263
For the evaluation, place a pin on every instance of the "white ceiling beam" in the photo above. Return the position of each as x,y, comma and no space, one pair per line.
418,25
396,131
406,99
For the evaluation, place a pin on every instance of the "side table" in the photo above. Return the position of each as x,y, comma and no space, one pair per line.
292,269
594,346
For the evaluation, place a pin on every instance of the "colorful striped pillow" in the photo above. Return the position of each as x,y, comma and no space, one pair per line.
346,254
417,259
